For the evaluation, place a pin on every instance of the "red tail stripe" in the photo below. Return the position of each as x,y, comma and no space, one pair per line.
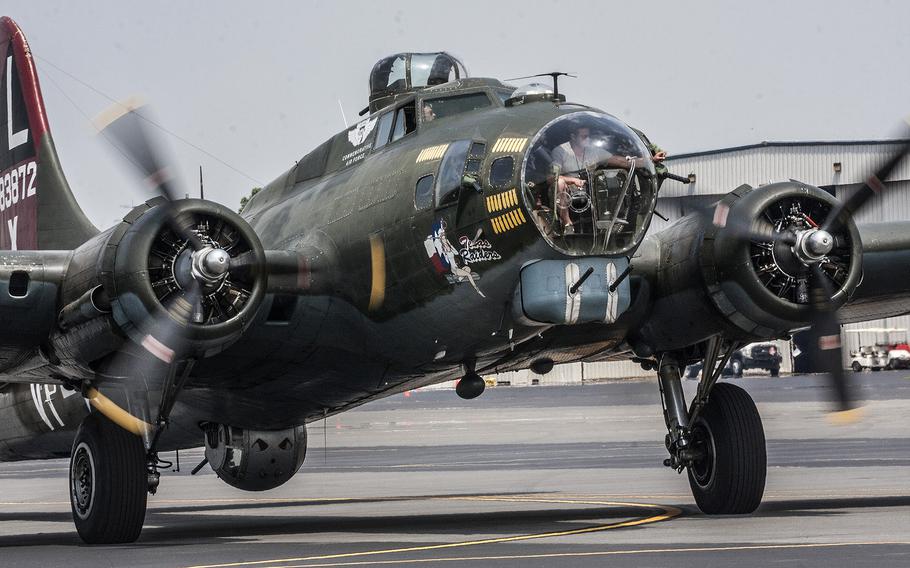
10,33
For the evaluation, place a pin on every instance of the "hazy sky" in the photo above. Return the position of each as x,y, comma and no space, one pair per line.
257,84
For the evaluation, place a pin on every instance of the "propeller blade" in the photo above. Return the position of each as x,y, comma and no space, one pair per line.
165,345
872,188
825,344
125,125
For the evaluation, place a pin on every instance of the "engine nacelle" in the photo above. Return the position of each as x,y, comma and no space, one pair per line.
709,274
124,280
255,460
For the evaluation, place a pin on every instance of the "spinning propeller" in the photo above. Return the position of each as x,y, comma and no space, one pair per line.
189,264
797,247
184,276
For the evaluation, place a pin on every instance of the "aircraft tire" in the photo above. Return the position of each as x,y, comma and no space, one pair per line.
108,482
730,480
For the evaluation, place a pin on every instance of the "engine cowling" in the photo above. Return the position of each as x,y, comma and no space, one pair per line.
708,274
255,460
128,278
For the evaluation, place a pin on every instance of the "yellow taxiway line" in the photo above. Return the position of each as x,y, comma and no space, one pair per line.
666,512
599,553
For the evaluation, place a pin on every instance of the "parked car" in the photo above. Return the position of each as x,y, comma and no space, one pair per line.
753,356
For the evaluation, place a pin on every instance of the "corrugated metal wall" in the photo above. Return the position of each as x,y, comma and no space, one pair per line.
719,172
813,163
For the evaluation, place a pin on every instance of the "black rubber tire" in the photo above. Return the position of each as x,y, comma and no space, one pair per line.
731,479
857,368
737,367
113,510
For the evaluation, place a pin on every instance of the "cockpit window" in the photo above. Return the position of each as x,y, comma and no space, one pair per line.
405,121
590,183
428,69
442,107
395,124
402,73
390,74
385,127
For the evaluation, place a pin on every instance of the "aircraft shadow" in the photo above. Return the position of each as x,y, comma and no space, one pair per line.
178,526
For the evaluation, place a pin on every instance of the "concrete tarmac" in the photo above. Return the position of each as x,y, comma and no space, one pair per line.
537,476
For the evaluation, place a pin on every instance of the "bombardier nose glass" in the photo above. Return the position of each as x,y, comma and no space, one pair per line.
590,184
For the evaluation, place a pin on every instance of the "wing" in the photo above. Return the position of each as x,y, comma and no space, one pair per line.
885,287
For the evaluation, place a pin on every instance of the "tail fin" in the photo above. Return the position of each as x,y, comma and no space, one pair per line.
37,208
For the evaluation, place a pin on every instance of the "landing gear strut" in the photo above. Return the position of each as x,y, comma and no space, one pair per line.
719,439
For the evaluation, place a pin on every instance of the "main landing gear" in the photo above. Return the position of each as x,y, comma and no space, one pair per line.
719,439
114,463
108,482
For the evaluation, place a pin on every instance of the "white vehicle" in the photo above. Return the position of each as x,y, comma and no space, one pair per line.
881,355
869,357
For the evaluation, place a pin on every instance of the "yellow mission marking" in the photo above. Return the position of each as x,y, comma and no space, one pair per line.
667,512
509,145
521,215
431,153
500,201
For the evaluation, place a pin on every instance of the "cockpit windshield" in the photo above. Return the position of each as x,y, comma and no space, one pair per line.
590,184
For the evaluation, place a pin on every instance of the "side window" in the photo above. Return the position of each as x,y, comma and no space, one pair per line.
405,121
385,127
501,171
450,173
423,194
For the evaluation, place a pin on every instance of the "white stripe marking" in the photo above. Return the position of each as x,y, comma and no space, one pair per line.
573,301
612,297
36,396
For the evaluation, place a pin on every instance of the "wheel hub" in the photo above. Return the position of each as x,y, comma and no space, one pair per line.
702,468
82,480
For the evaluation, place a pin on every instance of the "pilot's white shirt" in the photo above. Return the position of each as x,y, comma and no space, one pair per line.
564,156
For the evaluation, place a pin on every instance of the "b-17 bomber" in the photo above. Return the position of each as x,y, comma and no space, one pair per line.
463,226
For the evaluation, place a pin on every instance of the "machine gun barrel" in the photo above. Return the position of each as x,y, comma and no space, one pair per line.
675,177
